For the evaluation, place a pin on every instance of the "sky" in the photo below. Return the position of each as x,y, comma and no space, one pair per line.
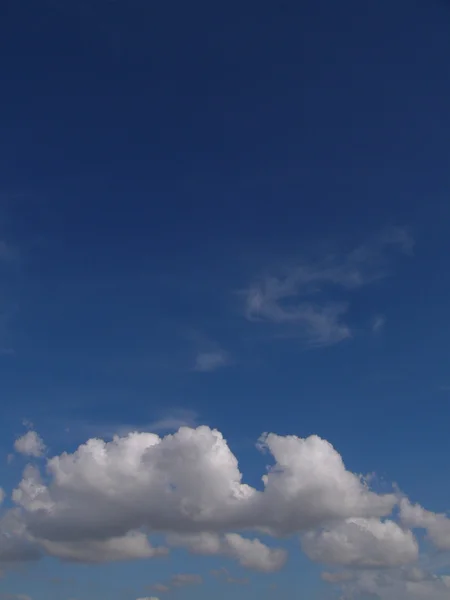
224,275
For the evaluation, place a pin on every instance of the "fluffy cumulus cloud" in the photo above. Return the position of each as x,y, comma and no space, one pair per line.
30,444
436,525
250,553
16,543
397,584
131,546
104,501
362,543
190,482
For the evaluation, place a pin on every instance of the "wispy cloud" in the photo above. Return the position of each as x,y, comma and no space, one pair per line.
165,422
223,575
173,421
378,323
182,579
9,265
8,252
206,362
208,353
312,296
177,581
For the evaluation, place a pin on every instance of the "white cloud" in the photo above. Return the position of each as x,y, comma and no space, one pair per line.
299,296
95,500
190,481
223,575
30,444
161,587
253,554
104,502
182,579
436,525
134,545
177,581
309,485
250,553
166,422
337,577
8,253
394,585
362,543
206,362
16,544
378,323
319,324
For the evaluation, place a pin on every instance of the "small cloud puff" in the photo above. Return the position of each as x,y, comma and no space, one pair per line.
30,444
211,361
378,323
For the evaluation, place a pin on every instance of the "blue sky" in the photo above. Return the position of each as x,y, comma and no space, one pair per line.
230,219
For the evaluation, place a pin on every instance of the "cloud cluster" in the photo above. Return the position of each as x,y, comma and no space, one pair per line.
312,298
131,546
104,501
399,584
362,543
223,575
436,525
189,482
101,501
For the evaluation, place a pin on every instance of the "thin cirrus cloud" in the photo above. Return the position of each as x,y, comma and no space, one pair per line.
178,581
8,252
162,588
182,579
224,576
378,324
9,260
299,298
164,423
207,362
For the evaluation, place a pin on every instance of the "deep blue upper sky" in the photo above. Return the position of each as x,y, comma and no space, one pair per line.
158,158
